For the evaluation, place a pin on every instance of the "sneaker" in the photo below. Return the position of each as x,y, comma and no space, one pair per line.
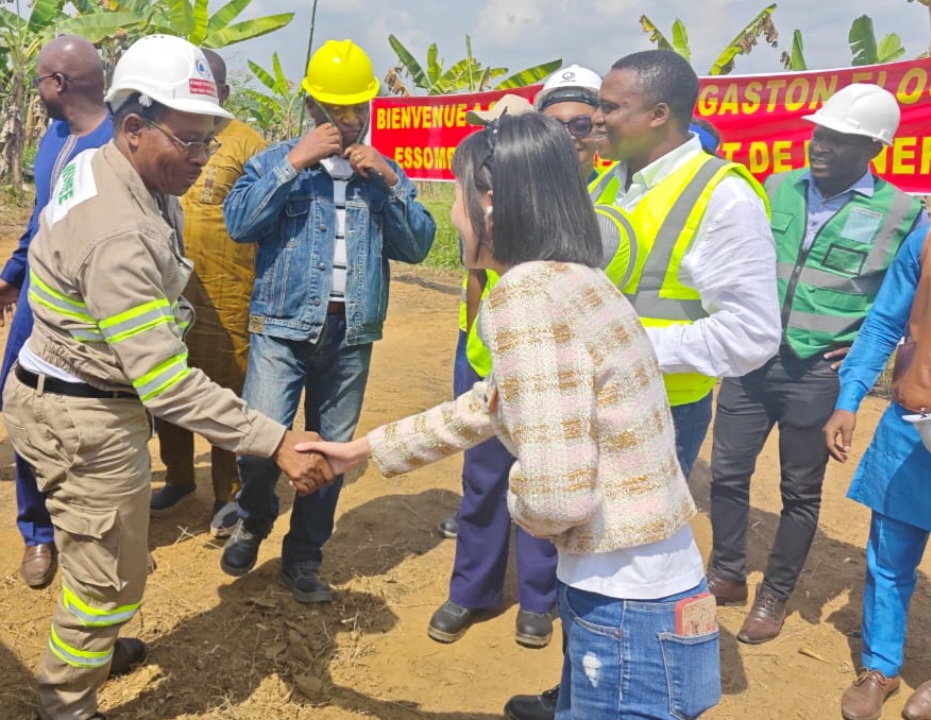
241,551
225,517
303,580
533,707
169,498
449,526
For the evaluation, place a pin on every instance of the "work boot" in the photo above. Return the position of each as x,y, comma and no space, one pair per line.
449,526
534,629
533,707
241,551
170,499
303,580
764,621
37,567
864,699
726,592
128,654
918,705
450,622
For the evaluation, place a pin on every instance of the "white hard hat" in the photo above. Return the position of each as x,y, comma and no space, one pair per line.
570,84
922,423
170,71
860,109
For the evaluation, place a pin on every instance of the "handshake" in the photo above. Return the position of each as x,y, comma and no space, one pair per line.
310,463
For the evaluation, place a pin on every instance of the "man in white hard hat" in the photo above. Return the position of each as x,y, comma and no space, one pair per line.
892,478
106,354
571,95
837,228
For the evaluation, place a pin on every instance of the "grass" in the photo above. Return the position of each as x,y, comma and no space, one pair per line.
437,197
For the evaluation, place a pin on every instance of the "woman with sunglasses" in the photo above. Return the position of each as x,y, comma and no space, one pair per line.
576,395
571,95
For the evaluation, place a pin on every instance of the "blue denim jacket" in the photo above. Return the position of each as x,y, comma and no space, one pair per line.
292,217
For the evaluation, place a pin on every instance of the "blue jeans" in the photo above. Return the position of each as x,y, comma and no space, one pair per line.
625,660
691,422
333,374
893,552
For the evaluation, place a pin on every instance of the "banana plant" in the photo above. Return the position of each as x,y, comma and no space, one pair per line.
761,26
865,48
276,111
467,75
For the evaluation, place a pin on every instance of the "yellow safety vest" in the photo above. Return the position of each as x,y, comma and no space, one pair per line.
665,222
477,354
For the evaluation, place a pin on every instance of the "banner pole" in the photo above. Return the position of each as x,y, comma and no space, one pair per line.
310,45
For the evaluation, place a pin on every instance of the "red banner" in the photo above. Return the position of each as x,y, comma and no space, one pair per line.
759,117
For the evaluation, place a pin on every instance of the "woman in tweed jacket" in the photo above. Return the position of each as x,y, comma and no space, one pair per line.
576,395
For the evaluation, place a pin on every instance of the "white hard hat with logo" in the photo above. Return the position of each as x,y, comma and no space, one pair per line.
860,109
170,71
570,84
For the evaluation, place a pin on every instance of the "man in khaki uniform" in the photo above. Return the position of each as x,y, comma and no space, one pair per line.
219,290
106,354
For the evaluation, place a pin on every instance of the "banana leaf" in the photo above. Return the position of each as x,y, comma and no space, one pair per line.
200,19
862,39
795,60
181,16
680,40
226,14
262,75
890,48
656,35
247,30
99,26
282,85
745,41
416,73
434,68
43,13
530,75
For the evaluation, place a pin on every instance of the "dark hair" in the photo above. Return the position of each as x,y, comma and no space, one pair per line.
665,77
153,112
542,210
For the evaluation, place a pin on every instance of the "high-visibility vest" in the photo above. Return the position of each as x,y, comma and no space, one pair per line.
826,291
664,224
477,354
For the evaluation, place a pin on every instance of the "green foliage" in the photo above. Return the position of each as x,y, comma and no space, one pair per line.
466,75
866,49
795,59
437,197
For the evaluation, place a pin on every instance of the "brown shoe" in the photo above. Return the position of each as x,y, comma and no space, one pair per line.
864,699
918,706
764,621
726,592
38,565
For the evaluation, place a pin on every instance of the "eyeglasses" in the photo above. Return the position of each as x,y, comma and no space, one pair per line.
191,149
37,80
579,127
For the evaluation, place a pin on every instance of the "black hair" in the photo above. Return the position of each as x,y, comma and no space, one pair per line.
542,210
153,112
665,77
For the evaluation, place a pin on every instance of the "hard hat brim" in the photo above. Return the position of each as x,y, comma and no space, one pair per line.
198,107
840,127
333,99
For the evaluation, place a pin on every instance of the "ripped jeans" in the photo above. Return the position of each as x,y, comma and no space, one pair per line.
625,660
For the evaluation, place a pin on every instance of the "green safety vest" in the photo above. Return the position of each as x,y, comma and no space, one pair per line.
477,354
664,225
826,291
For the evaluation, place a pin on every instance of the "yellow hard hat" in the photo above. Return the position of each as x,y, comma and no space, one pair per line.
340,73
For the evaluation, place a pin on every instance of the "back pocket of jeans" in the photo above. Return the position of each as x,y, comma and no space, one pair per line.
693,673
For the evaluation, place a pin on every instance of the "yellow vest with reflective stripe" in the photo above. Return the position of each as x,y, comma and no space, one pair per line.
665,223
477,354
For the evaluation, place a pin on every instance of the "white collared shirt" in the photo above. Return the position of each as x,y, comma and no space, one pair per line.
732,265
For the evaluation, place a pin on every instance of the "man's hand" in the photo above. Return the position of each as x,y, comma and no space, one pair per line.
320,143
839,353
342,456
843,423
306,471
9,296
363,159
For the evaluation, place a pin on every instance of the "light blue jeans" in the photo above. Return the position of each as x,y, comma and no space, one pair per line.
893,552
334,375
625,660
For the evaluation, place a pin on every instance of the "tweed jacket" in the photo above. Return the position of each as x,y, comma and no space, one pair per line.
576,395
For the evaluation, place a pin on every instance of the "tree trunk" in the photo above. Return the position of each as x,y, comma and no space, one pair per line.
11,133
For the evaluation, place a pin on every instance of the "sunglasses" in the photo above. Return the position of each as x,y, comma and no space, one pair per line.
37,80
191,150
579,127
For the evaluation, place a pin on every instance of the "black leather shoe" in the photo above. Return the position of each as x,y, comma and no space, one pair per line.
128,654
450,622
449,526
241,551
533,707
534,629
303,580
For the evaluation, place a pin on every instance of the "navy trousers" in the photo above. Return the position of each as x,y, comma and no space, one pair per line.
485,527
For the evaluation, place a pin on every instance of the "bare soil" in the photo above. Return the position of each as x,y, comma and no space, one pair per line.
245,650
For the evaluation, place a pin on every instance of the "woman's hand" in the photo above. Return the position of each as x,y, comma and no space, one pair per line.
341,456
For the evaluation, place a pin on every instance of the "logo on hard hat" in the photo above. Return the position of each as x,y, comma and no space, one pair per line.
568,75
202,69
196,86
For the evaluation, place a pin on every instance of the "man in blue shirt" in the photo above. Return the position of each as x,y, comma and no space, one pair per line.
327,212
69,79
891,480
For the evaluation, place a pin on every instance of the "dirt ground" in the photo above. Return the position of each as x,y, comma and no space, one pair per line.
245,650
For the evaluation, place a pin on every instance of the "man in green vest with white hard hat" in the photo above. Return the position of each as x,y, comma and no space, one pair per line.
837,228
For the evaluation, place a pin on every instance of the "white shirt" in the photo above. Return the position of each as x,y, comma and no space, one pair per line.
732,265
339,171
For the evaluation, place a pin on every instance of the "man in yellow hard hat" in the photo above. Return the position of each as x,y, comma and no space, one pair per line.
327,212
